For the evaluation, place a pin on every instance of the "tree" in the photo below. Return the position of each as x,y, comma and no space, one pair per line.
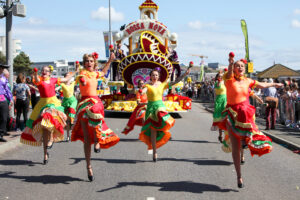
2,58
22,64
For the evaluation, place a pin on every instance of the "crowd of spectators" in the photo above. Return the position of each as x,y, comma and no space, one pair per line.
281,105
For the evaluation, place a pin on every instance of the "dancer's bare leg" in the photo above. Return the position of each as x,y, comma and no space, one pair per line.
236,147
153,141
220,136
87,147
46,135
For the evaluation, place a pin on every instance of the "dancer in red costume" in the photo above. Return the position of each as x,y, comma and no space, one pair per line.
90,126
238,116
138,115
47,118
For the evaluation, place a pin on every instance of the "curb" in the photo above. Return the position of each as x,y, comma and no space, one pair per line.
288,144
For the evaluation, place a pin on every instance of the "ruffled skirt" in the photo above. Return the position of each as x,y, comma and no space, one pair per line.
241,118
220,105
91,111
70,105
136,118
157,118
47,114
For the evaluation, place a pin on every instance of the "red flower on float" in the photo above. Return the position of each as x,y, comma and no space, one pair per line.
95,55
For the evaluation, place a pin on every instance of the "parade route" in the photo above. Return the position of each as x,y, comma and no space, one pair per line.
190,166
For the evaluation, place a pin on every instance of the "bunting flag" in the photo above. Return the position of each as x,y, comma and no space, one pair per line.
245,31
201,71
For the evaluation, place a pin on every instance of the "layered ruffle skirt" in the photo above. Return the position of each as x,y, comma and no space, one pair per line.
136,118
241,119
156,118
220,105
90,110
70,105
47,114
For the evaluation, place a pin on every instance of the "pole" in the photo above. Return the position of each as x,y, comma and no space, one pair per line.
9,52
110,36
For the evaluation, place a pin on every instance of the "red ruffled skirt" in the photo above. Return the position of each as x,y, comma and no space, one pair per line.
136,118
241,118
91,111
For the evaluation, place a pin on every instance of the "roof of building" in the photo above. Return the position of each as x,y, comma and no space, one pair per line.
148,4
276,71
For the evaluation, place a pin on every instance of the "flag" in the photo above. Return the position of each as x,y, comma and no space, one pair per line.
245,31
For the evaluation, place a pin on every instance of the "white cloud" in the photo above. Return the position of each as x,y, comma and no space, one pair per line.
35,21
103,14
200,25
295,23
297,11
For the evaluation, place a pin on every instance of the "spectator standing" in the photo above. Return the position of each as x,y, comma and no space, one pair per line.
272,103
22,92
5,95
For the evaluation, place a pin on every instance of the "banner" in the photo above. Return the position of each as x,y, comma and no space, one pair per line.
201,71
245,31
106,41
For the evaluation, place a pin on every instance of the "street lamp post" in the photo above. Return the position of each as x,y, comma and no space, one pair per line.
10,8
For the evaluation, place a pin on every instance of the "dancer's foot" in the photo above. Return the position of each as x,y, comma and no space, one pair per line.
50,144
46,158
90,174
220,139
68,139
240,182
154,157
97,148
243,160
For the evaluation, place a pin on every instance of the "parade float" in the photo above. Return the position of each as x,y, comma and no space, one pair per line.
150,46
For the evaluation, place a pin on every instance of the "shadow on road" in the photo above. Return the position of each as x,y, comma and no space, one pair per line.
180,186
126,161
45,179
18,162
113,161
129,140
117,115
198,162
194,141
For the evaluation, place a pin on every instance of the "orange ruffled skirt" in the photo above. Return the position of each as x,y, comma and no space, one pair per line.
136,118
91,111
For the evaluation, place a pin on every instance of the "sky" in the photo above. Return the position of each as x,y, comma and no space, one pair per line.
66,29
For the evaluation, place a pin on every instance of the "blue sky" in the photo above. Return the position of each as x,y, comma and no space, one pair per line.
66,29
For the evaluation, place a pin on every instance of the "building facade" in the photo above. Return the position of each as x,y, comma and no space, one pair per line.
16,45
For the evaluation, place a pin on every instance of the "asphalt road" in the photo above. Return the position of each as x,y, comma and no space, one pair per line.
191,166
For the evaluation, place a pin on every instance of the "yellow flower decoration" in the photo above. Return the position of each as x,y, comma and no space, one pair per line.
51,68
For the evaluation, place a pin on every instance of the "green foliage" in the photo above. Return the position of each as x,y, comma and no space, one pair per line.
2,58
22,64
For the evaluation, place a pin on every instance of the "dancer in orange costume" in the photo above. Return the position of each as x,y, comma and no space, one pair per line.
155,131
238,116
47,118
138,115
90,126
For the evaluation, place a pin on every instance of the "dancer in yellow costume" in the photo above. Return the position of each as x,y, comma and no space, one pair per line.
155,131
69,103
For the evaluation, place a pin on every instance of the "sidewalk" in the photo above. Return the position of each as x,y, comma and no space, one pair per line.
13,140
287,137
